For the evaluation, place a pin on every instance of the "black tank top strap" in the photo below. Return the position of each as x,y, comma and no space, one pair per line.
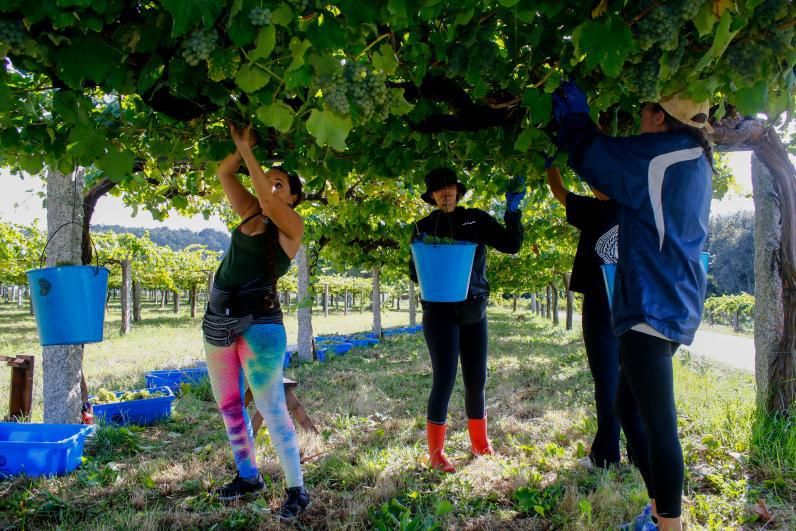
245,221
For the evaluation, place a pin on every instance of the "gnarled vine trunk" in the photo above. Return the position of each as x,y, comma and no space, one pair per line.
775,343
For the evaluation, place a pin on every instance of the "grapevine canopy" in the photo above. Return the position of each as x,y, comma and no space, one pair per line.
349,92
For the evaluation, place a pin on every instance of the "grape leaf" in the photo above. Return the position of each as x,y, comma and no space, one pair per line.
116,165
540,104
751,100
526,138
278,115
329,129
251,78
282,15
705,20
86,143
88,58
385,59
607,45
298,48
724,34
223,64
265,42
186,15
152,71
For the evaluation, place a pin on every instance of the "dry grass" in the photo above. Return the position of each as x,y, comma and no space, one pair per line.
366,469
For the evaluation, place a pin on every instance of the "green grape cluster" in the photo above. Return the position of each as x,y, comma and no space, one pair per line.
358,91
659,27
745,59
780,39
457,60
646,80
198,46
12,33
260,16
104,396
770,10
301,5
689,9
676,57
334,92
430,239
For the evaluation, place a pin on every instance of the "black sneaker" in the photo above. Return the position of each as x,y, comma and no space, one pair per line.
239,487
297,501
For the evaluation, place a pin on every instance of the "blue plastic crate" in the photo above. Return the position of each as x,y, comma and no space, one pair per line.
142,412
41,449
362,342
286,363
320,354
337,347
172,378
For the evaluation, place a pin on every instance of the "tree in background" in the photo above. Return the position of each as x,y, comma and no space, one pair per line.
732,248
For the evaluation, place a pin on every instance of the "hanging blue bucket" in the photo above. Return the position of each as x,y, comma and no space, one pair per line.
443,270
609,275
69,303
705,259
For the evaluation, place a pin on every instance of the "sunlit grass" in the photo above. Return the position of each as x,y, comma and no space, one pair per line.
367,467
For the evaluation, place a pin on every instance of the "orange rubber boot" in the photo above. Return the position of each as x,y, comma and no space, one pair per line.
478,439
435,433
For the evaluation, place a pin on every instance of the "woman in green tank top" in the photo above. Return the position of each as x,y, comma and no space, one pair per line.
244,335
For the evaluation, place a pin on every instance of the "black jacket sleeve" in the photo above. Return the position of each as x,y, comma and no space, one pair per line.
506,239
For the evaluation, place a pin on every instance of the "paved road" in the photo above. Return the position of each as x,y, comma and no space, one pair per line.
736,351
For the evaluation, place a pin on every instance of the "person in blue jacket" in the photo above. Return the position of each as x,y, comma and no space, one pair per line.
661,182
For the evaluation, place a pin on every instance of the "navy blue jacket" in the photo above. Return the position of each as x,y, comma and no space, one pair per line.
662,184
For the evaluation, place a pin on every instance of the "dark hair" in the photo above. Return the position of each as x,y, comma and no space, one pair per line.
699,135
295,184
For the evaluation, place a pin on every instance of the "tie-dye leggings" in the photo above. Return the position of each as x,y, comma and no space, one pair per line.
258,355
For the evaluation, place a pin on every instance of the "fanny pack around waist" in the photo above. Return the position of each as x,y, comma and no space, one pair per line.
251,299
230,312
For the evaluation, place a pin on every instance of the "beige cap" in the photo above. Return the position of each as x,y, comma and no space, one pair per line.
688,111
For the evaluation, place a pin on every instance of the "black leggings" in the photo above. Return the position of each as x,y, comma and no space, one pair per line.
646,395
602,351
451,329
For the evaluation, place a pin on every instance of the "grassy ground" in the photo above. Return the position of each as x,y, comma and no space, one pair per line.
162,340
366,469
728,330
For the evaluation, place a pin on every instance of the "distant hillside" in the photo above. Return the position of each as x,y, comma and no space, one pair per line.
175,238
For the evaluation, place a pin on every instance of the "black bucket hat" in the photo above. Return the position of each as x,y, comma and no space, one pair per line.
440,178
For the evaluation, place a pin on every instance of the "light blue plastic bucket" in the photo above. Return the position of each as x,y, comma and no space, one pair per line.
69,303
705,259
609,275
443,270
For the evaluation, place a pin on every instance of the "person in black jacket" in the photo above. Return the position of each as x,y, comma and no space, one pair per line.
597,219
459,329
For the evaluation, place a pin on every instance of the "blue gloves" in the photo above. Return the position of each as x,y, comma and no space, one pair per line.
569,99
513,199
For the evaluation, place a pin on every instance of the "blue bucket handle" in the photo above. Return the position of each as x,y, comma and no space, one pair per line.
43,255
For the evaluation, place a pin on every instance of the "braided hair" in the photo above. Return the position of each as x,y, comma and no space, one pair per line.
699,135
